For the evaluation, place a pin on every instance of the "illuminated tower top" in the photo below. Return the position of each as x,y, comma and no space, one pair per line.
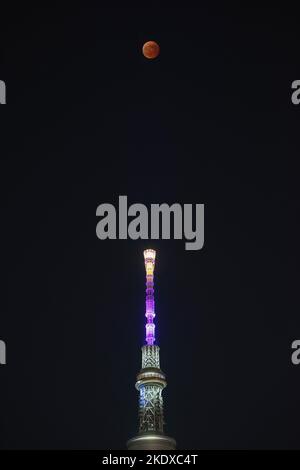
149,256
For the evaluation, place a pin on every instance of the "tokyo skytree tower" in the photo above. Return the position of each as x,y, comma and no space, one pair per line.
151,380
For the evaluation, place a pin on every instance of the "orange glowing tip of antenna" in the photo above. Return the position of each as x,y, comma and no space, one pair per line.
149,256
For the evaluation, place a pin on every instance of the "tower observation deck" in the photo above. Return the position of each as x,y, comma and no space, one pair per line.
151,381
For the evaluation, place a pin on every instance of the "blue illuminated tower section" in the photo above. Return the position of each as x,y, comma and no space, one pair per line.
151,380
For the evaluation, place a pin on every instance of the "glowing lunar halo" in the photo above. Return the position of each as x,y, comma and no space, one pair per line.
151,49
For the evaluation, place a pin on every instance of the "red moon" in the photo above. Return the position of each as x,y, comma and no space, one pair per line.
151,49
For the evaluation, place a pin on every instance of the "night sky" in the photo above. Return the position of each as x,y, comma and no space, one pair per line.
210,121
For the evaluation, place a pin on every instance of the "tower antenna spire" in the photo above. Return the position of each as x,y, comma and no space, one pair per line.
149,256
151,381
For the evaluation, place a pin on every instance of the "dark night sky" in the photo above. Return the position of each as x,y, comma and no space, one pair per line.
210,121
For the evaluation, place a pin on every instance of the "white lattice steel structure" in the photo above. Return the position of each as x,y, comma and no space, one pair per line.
151,380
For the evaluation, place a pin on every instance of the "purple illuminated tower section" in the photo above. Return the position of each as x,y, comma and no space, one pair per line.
150,256
151,381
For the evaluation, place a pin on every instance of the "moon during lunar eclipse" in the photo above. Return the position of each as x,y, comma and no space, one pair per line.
151,49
